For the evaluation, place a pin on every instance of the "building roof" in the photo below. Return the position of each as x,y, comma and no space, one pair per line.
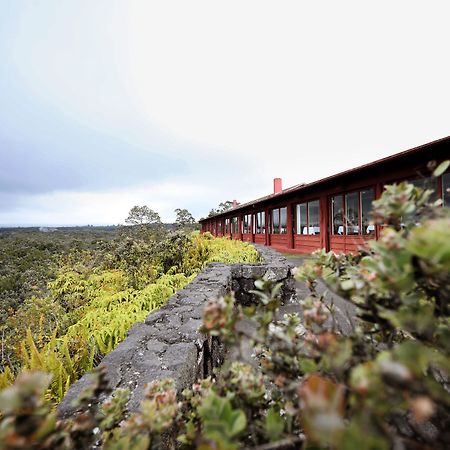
421,149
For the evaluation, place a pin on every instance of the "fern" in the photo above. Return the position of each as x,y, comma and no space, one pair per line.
102,308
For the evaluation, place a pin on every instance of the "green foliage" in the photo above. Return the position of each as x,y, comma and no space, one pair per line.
221,423
223,207
97,296
184,219
28,421
144,223
142,215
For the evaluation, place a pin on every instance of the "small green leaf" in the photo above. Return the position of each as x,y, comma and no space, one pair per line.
347,285
441,168
274,425
238,422
307,365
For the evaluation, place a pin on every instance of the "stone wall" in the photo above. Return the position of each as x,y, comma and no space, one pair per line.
168,344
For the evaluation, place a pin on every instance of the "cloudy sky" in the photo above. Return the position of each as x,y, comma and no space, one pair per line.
109,104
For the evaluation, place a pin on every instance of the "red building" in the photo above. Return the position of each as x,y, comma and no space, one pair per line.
332,213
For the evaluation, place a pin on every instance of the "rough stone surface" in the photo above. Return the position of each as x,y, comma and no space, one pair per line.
168,343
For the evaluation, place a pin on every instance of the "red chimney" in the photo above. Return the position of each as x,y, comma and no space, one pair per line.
277,185
234,203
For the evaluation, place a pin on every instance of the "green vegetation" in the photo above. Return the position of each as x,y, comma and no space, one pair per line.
92,291
223,207
385,385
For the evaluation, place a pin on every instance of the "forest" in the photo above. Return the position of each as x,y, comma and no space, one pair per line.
68,296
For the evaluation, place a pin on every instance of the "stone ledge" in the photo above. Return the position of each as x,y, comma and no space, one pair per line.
168,343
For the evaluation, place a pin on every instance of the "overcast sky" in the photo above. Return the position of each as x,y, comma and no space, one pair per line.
109,104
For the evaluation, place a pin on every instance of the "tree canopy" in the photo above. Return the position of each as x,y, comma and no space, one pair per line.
223,206
184,218
142,215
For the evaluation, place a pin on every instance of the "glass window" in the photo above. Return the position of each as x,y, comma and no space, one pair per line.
283,220
301,222
246,220
337,214
234,225
351,213
261,218
358,207
260,223
427,183
314,217
227,226
446,189
308,218
275,221
366,199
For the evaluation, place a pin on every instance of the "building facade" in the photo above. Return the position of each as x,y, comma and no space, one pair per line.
332,213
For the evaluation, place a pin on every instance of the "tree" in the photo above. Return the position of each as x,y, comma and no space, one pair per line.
146,222
143,215
184,218
223,206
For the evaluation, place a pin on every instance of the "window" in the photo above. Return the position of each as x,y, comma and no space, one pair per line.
301,219
283,220
366,199
227,226
260,223
279,221
351,213
357,207
427,183
446,189
234,225
219,227
276,221
307,218
337,214
246,221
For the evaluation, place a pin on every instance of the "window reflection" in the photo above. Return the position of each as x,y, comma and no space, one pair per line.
337,214
313,217
427,183
301,221
275,221
279,220
366,198
283,220
260,222
356,220
307,218
234,225
446,189
246,222
351,213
